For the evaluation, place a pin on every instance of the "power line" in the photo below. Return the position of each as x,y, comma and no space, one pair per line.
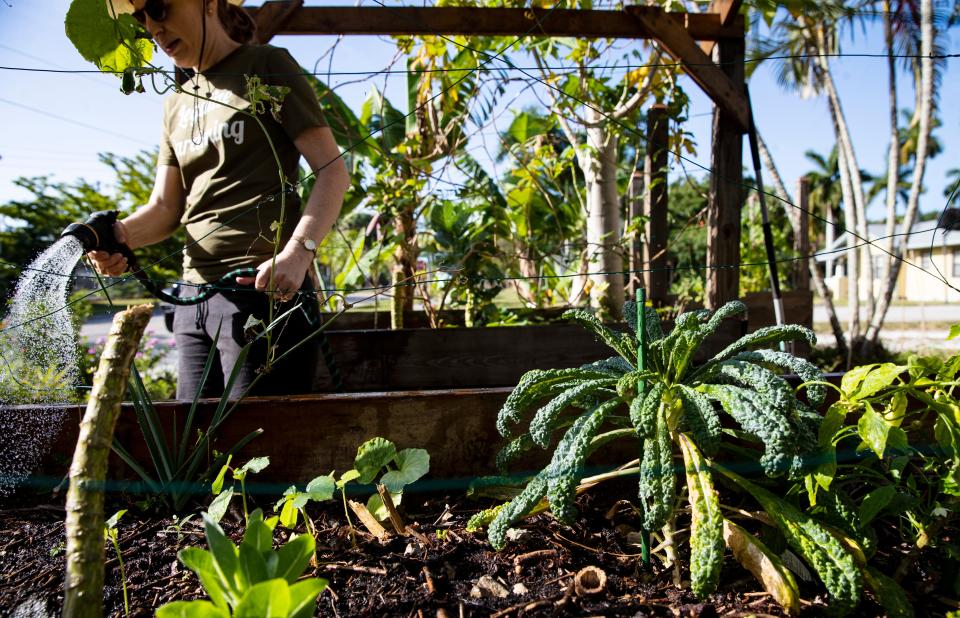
571,68
74,122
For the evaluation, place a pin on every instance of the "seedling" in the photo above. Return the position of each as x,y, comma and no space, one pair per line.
110,527
218,508
252,579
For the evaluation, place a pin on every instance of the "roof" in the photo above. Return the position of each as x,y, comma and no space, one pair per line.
923,234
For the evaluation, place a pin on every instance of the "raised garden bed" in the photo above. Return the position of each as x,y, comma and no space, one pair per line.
370,357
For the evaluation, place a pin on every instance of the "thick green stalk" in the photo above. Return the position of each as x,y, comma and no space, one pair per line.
83,588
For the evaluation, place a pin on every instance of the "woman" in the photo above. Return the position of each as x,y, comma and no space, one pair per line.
217,176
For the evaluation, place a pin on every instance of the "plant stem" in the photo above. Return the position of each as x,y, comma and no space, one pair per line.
83,587
123,575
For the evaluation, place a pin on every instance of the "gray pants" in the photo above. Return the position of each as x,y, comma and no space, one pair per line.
195,329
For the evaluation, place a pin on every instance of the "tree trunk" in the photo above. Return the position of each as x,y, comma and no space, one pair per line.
850,225
793,214
405,226
845,146
83,588
603,217
925,115
893,156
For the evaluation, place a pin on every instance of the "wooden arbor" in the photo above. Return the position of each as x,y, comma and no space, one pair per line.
710,46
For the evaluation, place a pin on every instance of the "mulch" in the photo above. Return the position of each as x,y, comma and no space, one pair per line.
438,573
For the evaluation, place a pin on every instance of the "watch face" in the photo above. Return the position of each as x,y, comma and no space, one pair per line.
309,244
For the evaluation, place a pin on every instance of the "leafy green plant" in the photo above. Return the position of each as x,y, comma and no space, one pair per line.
294,502
180,462
378,460
655,393
221,502
113,535
890,451
251,579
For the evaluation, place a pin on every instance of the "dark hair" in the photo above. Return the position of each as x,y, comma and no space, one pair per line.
237,22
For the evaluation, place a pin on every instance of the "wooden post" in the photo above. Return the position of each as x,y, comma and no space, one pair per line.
726,189
634,212
655,205
801,242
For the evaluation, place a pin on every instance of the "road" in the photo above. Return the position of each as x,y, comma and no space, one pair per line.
908,328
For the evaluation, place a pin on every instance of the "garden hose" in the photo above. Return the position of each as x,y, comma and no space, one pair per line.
96,234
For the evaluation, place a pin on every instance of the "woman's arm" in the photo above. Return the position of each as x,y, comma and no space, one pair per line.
319,213
151,223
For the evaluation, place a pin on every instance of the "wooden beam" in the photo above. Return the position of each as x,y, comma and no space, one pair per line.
655,166
728,10
481,21
678,42
274,16
726,190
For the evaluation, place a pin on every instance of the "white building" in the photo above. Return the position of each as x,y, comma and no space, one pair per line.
928,248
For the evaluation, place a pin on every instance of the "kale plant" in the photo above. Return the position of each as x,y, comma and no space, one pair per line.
673,405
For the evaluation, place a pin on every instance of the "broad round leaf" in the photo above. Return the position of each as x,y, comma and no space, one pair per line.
321,488
373,455
412,463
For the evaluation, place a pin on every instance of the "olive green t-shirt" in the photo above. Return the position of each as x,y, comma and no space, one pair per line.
226,163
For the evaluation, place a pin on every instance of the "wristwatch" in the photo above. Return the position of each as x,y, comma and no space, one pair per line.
307,243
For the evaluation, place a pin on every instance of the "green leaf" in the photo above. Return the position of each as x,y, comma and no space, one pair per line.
303,597
874,502
258,535
954,332
879,378
346,477
851,380
218,507
109,43
321,488
112,522
832,422
224,554
217,486
376,507
269,599
412,463
253,566
873,430
257,464
288,515
372,456
294,556
200,561
191,609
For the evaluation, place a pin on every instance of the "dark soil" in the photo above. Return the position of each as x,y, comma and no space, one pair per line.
407,577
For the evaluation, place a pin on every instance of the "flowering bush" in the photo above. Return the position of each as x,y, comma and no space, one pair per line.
156,368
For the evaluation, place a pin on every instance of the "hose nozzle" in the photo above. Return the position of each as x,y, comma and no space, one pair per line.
96,233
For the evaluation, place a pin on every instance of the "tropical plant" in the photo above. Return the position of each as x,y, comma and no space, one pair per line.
180,460
251,579
890,450
672,405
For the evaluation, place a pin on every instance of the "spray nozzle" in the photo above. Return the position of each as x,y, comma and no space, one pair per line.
96,233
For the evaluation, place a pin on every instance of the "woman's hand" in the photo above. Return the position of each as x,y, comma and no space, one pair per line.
111,264
288,273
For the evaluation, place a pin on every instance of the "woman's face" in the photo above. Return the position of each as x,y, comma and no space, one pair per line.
180,33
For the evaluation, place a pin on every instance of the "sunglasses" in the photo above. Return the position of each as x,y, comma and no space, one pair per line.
156,10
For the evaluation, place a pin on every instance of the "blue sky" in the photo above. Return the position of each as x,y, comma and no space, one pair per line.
57,123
